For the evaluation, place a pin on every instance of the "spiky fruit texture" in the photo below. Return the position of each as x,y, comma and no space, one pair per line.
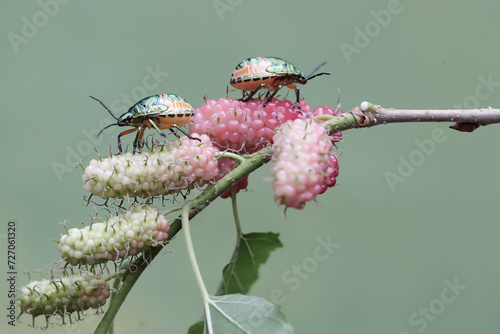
332,171
303,166
64,295
244,127
129,233
182,164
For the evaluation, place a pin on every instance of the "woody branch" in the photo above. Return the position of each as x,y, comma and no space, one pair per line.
368,114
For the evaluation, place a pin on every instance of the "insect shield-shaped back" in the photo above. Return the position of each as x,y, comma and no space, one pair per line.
271,73
285,74
164,111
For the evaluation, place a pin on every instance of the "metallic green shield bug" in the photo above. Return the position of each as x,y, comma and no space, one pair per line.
164,111
271,73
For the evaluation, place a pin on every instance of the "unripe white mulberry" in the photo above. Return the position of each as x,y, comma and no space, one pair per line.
179,165
130,233
64,295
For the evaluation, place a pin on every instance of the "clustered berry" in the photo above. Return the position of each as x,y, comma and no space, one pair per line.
244,127
303,166
64,295
129,233
331,173
182,164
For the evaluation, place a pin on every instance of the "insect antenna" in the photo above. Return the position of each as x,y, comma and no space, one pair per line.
107,126
102,104
310,75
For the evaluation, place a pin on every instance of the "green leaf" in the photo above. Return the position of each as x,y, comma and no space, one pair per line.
243,270
196,328
237,277
245,314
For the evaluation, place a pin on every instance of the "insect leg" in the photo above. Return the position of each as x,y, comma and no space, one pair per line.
138,137
272,95
184,132
157,128
297,94
126,132
175,133
252,93
173,126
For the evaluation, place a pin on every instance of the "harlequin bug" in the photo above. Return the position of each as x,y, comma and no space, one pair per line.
271,73
164,111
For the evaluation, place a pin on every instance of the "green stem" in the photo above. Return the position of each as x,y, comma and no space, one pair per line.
116,285
130,278
221,289
247,166
343,122
236,216
231,155
194,264
172,209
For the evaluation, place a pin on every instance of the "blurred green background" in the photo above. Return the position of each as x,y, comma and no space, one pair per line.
397,248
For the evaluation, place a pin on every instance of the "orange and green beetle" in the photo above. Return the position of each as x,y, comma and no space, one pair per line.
270,73
164,111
